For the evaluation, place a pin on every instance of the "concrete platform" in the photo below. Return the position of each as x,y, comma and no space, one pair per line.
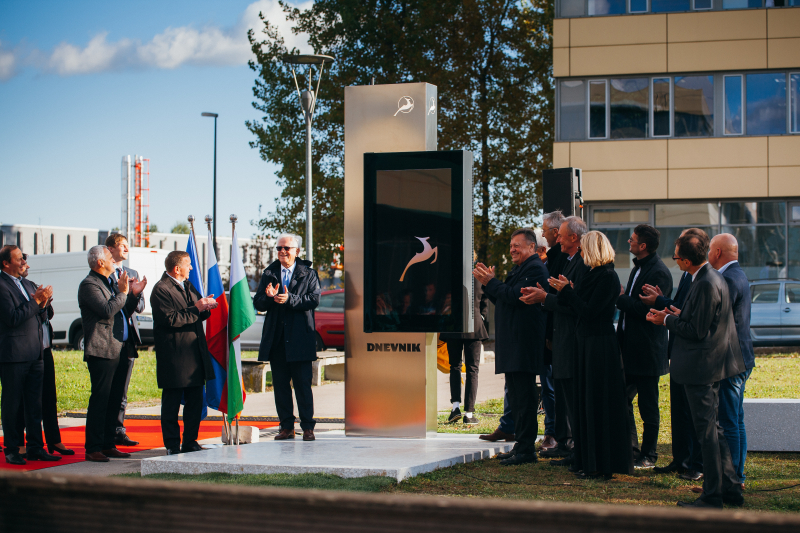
773,425
333,453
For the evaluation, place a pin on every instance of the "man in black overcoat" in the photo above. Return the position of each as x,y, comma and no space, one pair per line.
706,351
519,338
183,364
289,292
643,345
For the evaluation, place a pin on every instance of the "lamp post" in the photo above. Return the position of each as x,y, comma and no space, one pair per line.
214,232
308,100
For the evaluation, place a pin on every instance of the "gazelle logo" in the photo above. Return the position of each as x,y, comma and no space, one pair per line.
392,347
404,105
432,106
424,255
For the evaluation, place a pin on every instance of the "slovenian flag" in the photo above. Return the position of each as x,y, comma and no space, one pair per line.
217,334
240,317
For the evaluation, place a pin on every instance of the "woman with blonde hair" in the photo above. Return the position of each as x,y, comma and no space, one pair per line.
602,442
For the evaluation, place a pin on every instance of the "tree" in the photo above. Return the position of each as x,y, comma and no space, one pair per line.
180,227
491,61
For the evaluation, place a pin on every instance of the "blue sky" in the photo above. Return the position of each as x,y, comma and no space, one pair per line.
83,83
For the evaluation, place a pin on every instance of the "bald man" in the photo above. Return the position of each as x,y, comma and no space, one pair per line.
723,254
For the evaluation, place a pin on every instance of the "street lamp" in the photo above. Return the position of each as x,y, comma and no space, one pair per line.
308,100
214,233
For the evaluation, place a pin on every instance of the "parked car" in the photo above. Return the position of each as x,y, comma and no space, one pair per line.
329,317
775,312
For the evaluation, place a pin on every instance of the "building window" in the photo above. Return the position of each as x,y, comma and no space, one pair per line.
572,111
84,243
794,94
52,243
571,8
175,246
733,103
687,215
701,5
19,239
2,239
627,215
597,109
68,244
743,4
694,106
35,243
637,6
606,7
766,103
662,102
669,6
630,100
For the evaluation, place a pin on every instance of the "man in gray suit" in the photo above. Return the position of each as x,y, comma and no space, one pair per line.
706,351
117,244
105,307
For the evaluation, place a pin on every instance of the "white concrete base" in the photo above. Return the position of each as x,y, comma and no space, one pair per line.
333,453
772,425
247,434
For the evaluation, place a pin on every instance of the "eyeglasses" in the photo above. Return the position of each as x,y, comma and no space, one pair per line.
284,248
24,257
676,258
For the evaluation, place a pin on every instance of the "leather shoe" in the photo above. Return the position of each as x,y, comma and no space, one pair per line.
285,434
733,498
15,459
672,467
173,451
593,475
519,459
691,475
113,452
193,447
60,451
41,455
499,435
558,451
566,461
97,457
699,502
122,439
548,443
308,434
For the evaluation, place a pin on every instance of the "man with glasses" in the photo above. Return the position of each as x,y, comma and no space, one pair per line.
23,309
289,292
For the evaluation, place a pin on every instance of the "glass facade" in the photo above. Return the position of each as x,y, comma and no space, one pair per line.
594,8
694,106
597,110
662,104
630,100
572,108
766,103
733,105
794,97
768,232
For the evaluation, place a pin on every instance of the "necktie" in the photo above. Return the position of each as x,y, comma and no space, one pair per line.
286,277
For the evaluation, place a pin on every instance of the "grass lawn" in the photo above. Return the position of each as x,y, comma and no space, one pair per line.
774,376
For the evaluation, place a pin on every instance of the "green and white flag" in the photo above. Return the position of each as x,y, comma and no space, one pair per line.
240,317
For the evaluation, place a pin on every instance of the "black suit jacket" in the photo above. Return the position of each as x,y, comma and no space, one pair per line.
103,325
480,303
20,323
643,344
739,291
556,263
664,302
706,348
519,328
182,358
564,321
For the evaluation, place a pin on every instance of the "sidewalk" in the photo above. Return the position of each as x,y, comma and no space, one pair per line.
328,403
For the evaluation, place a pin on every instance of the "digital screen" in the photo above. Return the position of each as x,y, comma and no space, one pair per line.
414,248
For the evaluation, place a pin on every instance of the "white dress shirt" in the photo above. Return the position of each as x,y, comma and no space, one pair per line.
287,273
724,267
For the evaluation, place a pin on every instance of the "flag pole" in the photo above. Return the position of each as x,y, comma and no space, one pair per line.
233,219
225,426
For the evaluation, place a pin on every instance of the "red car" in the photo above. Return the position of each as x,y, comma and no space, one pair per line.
329,317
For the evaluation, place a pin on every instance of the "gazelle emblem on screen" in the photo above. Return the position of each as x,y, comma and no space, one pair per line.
404,105
424,255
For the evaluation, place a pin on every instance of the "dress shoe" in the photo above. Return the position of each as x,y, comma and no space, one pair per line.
691,475
499,435
113,452
548,443
643,463
670,468
41,455
733,498
455,414
122,439
97,457
193,447
593,475
508,454
60,451
471,420
519,459
566,461
558,451
173,451
701,503
285,434
308,434
15,459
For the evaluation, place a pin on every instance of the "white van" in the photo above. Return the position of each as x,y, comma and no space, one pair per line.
65,273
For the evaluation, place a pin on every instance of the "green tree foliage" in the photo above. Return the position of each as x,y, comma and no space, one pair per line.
492,63
180,227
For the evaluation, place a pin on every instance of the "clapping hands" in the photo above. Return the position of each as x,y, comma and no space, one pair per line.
650,293
483,274
204,304
533,295
137,286
280,298
560,283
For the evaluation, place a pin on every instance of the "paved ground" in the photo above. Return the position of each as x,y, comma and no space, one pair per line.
328,403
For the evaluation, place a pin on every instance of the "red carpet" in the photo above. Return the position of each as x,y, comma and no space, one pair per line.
147,432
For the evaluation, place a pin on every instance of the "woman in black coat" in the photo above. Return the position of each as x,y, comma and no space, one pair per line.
602,442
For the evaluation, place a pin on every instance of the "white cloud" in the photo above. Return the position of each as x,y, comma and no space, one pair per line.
170,49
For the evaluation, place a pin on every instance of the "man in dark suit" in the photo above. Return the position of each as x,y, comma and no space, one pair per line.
289,292
643,345
470,344
687,460
706,351
520,331
723,255
183,364
23,310
564,321
117,244
108,343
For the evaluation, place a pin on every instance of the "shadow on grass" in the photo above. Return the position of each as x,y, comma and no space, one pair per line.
298,481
